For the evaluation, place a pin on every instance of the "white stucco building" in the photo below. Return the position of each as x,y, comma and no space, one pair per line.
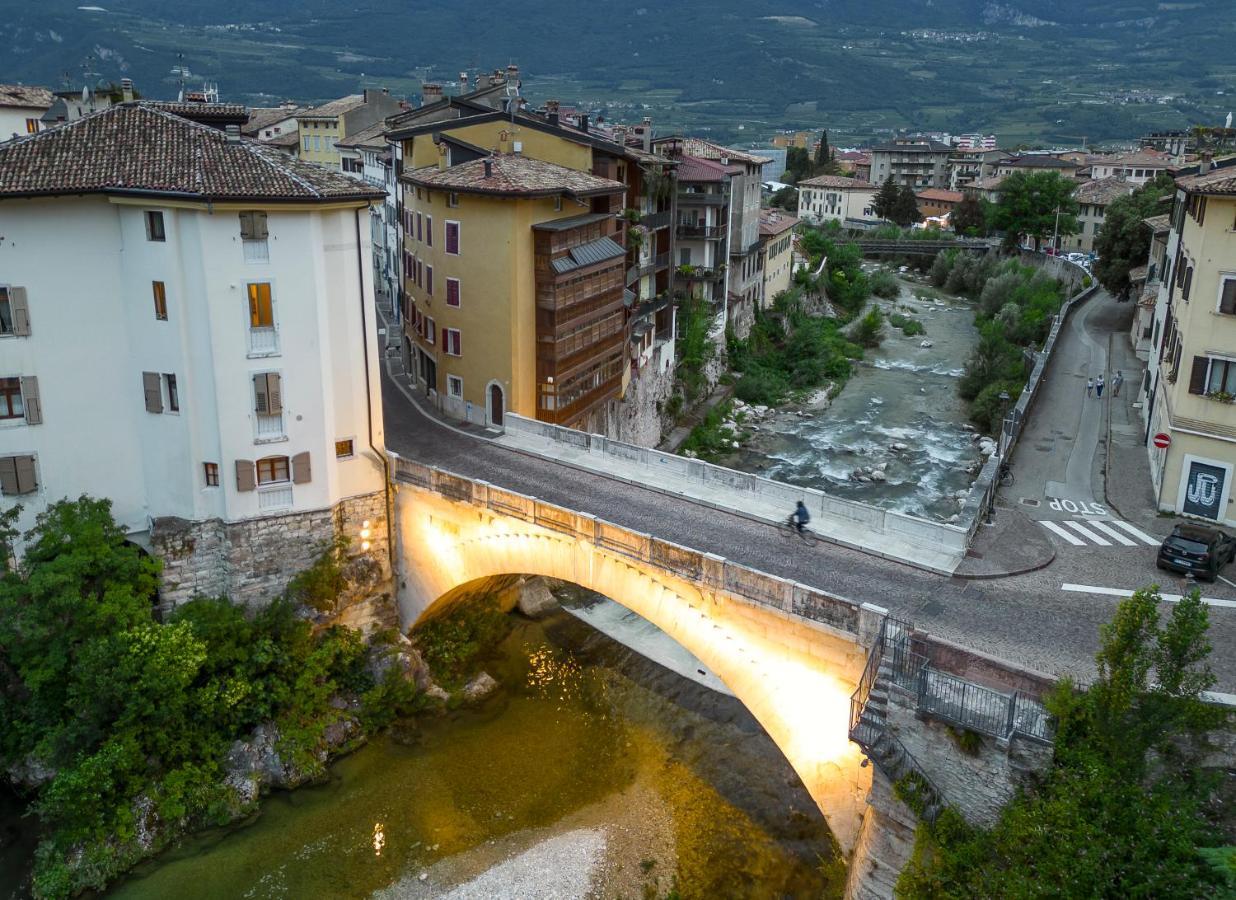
836,198
206,360
21,109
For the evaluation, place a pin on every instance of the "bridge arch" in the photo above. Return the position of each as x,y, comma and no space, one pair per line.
794,676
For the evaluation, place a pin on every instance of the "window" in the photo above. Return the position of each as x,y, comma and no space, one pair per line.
306,143
253,226
263,337
17,475
431,333
273,470
160,300
450,341
420,231
452,201
684,256
211,471
268,406
454,386
429,231
1188,283
345,449
1227,295
429,280
452,238
317,143
32,126
154,226
452,291
173,396
558,203
6,312
11,405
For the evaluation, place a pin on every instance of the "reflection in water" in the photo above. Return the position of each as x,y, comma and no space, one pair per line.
680,782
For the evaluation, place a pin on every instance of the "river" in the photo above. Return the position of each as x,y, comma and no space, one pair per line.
593,771
900,393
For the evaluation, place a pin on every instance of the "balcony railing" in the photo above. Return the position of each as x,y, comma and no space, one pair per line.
705,232
653,221
263,341
697,199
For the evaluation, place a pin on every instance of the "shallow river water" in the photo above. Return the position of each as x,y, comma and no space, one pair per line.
900,393
593,765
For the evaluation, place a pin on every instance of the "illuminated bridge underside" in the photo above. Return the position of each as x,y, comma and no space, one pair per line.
794,675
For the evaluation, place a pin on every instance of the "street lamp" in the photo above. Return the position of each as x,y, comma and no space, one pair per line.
1004,420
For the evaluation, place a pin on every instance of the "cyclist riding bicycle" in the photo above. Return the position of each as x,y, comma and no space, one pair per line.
800,516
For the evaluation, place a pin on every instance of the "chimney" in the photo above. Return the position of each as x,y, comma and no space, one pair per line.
1204,162
583,122
482,81
430,93
512,73
463,82
551,110
126,89
489,168
233,134
620,135
647,134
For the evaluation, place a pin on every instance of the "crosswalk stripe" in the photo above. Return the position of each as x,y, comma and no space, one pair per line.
1137,533
1060,532
1087,533
1110,532
1121,592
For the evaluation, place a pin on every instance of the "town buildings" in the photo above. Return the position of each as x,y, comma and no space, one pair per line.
1093,198
703,227
934,202
837,198
321,127
776,253
1037,162
267,123
975,142
1146,281
1191,381
854,162
915,163
367,155
22,108
206,361
1136,168
968,166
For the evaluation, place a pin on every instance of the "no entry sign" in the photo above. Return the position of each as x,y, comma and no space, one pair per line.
1162,440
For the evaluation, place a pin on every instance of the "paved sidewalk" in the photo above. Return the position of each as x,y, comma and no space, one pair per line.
1012,544
1127,487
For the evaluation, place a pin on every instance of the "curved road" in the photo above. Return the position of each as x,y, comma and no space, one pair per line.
1026,619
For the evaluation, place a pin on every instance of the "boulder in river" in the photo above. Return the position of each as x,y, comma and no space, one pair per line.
535,599
479,687
879,475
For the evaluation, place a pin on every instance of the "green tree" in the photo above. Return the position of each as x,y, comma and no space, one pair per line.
905,209
824,162
1123,243
885,201
1035,205
969,218
798,164
786,198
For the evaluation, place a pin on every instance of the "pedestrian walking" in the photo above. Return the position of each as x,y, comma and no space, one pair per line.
1116,382
1098,387
1089,387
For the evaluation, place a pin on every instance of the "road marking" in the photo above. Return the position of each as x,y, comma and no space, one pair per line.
1119,592
1111,533
1060,532
1138,533
1087,533
1225,581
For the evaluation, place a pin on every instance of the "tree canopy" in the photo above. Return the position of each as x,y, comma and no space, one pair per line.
905,208
1035,205
1123,243
969,217
885,201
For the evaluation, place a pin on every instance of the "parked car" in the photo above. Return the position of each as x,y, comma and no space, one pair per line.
1197,550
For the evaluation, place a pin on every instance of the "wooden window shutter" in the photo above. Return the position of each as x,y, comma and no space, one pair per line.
26,482
300,469
19,306
246,477
274,393
260,231
8,476
1188,284
246,226
1197,379
152,388
261,399
1227,299
31,400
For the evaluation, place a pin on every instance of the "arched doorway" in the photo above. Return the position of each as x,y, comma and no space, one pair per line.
496,404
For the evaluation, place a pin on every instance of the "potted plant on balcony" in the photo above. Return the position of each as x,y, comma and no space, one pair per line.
1221,396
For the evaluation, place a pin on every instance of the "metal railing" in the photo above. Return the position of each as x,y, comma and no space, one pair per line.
707,232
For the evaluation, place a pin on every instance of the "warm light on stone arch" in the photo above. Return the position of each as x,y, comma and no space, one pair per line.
795,676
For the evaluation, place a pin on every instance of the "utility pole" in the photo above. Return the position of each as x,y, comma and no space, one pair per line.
1055,234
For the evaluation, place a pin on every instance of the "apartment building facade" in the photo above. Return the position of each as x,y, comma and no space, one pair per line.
1135,168
206,364
776,253
22,108
915,163
836,198
1093,198
321,127
1191,382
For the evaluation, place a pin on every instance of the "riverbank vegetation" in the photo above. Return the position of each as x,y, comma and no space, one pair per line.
1015,305
119,725
1127,808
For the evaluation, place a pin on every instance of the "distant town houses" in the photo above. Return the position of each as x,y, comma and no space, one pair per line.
1093,198
836,198
914,163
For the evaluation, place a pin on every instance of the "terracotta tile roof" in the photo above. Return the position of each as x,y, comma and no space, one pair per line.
289,140
25,96
836,181
1139,273
775,221
136,149
1216,181
334,107
940,195
692,168
1103,191
1144,159
264,116
1159,224
851,156
1038,162
513,175
206,113
373,137
990,183
708,150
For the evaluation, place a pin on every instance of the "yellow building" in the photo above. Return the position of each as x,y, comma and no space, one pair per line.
513,277
321,127
1192,387
776,252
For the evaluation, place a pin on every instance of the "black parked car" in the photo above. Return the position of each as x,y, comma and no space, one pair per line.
1198,550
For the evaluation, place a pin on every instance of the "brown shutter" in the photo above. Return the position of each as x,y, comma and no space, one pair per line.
1188,284
20,308
260,231
1227,300
31,401
300,468
153,391
1197,380
261,398
8,476
274,393
246,226
26,482
246,478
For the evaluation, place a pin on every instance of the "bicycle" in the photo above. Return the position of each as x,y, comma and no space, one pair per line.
1005,476
804,535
